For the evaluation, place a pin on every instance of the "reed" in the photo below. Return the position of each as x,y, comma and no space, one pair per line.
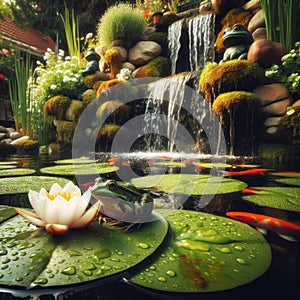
71,28
18,92
281,18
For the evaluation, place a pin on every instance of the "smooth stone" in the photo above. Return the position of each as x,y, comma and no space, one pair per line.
21,139
277,108
270,93
257,21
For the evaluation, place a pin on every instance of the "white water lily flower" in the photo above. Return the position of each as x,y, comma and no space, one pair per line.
60,209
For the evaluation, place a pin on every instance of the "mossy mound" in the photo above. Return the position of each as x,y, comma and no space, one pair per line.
65,131
158,67
289,127
234,100
88,96
90,80
27,146
57,106
166,21
113,111
242,75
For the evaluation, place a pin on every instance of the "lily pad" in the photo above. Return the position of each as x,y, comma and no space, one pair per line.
212,165
74,161
289,178
2,167
3,163
19,185
207,253
286,198
79,169
16,172
177,164
31,257
190,184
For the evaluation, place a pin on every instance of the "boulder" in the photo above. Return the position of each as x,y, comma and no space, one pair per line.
21,139
266,52
128,65
259,34
15,135
278,108
252,5
122,52
144,51
270,93
257,21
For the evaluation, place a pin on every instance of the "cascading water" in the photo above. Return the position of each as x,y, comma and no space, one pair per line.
174,36
199,43
201,40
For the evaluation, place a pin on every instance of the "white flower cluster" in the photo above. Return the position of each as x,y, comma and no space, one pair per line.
288,72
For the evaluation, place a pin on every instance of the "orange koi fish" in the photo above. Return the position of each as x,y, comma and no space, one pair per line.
250,191
251,172
286,230
86,185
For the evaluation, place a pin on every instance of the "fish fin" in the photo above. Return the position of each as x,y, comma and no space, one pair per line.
288,237
262,230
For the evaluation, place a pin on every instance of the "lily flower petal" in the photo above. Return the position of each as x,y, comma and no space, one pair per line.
88,217
30,216
57,228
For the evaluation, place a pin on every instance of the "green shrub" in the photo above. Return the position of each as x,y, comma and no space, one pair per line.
121,21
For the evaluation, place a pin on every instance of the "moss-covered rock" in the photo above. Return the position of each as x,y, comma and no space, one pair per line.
166,21
90,80
233,75
289,127
65,131
158,67
77,109
27,146
57,106
113,112
88,96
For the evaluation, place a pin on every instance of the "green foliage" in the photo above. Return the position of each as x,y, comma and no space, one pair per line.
19,93
166,21
121,21
7,61
281,18
288,72
88,96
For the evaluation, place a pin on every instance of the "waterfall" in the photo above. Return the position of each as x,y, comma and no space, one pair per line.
166,99
201,40
174,35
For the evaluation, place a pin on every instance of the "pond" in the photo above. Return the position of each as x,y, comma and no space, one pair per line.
192,192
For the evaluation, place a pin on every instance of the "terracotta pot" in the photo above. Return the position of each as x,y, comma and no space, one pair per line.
156,17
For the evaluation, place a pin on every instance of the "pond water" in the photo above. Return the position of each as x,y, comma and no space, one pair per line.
281,280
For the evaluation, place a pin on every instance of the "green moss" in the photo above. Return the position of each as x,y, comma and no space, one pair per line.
233,100
57,106
242,75
279,153
113,111
157,67
27,146
65,132
90,80
121,21
166,21
77,109
88,96
289,127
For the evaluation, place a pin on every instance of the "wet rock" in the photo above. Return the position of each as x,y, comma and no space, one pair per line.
297,103
21,139
270,93
252,5
3,136
122,52
149,30
6,141
144,51
277,108
257,21
259,34
15,135
10,130
205,7
128,65
272,121
3,129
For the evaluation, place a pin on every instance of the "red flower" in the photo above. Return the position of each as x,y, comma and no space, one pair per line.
2,76
147,13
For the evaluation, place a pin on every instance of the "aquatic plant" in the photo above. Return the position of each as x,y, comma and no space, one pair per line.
72,32
232,75
57,106
60,209
19,93
288,72
281,18
121,21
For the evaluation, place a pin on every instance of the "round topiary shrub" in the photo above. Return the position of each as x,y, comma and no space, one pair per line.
121,22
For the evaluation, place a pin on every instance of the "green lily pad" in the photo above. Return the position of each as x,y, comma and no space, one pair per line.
79,169
32,257
19,185
177,164
212,165
6,213
2,167
289,178
287,198
207,253
16,172
3,163
189,184
74,161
